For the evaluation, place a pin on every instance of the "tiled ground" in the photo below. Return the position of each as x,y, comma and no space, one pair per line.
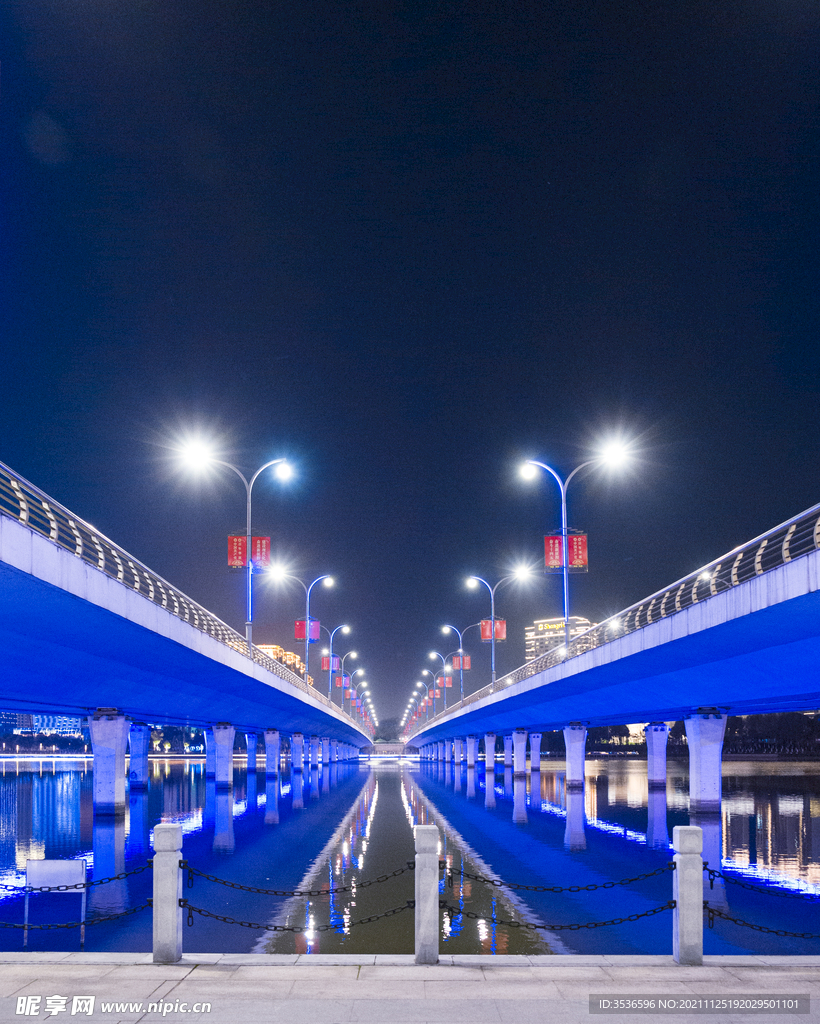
316,989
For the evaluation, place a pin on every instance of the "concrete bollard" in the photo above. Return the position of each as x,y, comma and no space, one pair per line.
427,897
167,894
687,891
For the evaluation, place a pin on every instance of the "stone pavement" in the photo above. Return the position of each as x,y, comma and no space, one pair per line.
373,989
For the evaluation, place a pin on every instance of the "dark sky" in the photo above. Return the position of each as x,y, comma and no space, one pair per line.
406,244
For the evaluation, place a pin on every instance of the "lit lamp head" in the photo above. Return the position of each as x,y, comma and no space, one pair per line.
196,454
277,573
523,572
528,470
345,629
471,582
283,471
328,581
615,454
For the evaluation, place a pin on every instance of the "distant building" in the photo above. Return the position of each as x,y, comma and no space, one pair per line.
545,634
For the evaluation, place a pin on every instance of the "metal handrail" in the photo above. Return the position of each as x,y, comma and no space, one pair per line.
27,504
790,540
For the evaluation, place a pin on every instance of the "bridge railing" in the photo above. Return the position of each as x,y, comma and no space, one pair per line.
21,500
796,537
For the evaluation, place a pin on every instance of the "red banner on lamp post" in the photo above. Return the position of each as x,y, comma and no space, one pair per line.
577,552
487,629
448,681
237,552
553,553
462,663
501,629
299,630
328,665
260,552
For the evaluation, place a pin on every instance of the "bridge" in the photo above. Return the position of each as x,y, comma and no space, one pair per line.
86,629
739,636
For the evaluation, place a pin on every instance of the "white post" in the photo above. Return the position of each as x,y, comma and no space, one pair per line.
139,742
325,750
250,743
167,894
575,741
273,751
508,751
426,881
520,752
687,891
489,752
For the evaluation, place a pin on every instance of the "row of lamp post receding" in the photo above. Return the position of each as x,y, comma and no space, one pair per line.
198,456
612,455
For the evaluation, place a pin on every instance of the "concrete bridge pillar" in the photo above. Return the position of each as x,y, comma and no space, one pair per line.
250,743
314,751
657,734
334,751
520,752
440,750
224,841
489,752
472,750
535,751
297,756
224,735
575,740
325,750
448,751
297,789
508,751
704,734
273,750
139,743
210,753
109,736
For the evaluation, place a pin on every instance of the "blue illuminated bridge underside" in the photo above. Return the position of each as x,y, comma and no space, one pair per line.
752,649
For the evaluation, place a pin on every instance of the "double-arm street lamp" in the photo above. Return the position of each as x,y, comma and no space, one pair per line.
331,634
460,633
473,581
277,573
613,455
198,456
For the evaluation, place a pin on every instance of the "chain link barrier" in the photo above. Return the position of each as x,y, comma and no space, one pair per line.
353,887
499,883
530,926
77,885
78,924
713,912
409,905
713,874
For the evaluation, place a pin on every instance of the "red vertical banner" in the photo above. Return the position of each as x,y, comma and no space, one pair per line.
325,662
501,629
577,552
260,551
315,630
486,630
237,552
437,694
553,553
299,629
448,681
337,680
346,694
462,663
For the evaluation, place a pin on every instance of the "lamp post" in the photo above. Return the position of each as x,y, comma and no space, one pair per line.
473,582
198,455
278,574
443,658
613,454
426,698
460,633
353,675
331,634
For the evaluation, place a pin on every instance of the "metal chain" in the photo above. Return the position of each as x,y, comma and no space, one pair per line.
409,905
713,912
456,911
78,885
411,866
77,924
713,874
558,888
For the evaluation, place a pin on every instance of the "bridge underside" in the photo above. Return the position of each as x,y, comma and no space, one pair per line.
763,662
60,654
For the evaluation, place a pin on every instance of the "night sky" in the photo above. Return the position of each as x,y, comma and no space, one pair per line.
406,245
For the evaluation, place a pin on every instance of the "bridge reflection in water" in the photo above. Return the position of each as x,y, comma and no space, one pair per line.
344,826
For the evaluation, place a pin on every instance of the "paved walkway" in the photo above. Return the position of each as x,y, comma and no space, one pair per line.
324,989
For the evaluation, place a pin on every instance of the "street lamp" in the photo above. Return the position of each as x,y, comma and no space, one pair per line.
278,573
460,632
614,454
198,455
331,634
473,581
435,654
